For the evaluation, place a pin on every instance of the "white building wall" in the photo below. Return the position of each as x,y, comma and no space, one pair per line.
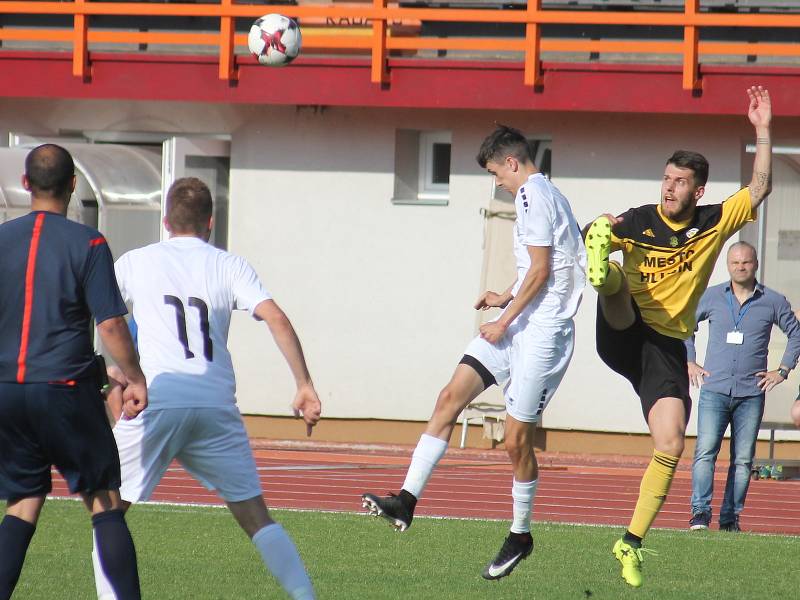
382,294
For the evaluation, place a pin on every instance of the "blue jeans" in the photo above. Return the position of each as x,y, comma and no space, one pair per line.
715,412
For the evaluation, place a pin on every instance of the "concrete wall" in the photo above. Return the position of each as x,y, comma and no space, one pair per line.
381,294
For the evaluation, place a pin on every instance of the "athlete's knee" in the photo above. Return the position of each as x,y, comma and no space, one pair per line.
519,446
449,403
252,514
673,446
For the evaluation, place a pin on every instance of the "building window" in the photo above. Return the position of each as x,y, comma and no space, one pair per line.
422,167
434,165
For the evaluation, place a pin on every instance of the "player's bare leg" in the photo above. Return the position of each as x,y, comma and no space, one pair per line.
276,548
464,386
794,413
27,509
251,515
667,423
618,307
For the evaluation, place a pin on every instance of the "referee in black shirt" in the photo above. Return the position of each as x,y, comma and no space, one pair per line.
58,275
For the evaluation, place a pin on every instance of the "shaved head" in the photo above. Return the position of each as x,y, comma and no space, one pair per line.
50,170
743,246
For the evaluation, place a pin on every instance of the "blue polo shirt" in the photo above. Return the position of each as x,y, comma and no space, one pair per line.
733,367
57,275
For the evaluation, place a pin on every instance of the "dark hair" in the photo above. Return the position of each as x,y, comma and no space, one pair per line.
50,169
502,142
189,206
685,159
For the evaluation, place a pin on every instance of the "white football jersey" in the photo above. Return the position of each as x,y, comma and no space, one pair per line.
544,218
182,292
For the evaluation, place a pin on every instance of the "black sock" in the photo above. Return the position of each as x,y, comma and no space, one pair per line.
632,540
408,499
15,537
117,553
521,537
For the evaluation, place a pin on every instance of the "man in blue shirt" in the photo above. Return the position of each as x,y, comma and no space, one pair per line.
741,313
59,275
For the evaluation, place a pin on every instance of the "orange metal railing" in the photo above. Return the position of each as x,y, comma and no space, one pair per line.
379,43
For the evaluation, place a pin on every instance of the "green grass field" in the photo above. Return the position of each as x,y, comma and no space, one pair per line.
199,553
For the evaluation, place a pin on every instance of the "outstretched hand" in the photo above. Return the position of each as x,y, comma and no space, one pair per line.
760,110
306,404
491,299
612,219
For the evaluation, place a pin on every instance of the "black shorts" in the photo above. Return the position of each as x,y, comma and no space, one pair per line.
654,363
46,424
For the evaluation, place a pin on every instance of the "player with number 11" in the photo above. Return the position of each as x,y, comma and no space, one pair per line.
182,292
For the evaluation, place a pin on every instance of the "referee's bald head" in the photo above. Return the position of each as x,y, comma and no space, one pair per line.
50,170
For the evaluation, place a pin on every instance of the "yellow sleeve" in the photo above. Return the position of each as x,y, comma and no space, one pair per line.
736,211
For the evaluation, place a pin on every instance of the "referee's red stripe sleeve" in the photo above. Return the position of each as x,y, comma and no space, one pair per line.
29,281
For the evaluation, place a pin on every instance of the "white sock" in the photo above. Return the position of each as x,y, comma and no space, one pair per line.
427,454
101,582
523,493
281,558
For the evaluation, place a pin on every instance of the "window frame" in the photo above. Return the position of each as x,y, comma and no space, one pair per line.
427,190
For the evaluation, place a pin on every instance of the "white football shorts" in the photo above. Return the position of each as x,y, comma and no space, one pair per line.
210,443
530,360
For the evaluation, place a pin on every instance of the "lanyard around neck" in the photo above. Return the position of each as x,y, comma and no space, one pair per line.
742,310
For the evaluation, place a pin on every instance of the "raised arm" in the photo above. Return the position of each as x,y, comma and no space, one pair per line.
760,114
306,402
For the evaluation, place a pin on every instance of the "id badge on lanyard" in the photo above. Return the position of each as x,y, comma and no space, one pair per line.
736,337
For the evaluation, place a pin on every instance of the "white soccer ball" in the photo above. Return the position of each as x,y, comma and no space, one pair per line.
274,40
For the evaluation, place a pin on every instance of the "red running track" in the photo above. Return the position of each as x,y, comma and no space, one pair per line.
477,484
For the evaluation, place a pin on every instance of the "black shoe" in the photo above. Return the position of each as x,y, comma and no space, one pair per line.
700,520
391,507
732,526
518,546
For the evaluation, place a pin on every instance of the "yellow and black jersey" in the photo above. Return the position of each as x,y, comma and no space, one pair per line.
668,264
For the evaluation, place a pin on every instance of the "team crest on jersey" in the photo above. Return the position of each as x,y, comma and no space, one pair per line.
673,241
692,232
649,233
